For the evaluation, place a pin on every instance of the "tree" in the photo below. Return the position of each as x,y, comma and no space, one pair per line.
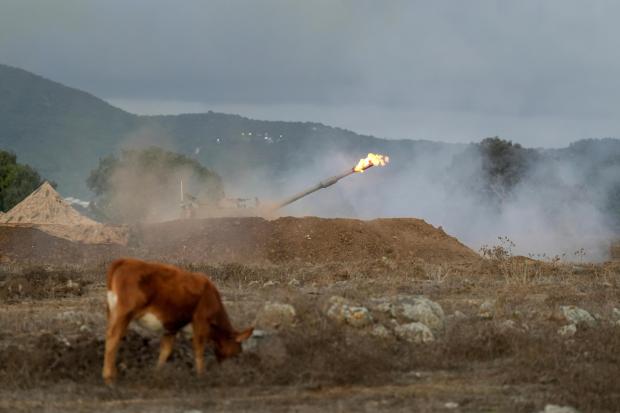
17,181
504,164
493,167
145,185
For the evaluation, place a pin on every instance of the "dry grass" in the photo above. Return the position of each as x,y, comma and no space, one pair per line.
44,349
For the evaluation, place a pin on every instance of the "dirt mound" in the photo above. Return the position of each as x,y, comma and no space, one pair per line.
308,240
25,244
47,210
45,206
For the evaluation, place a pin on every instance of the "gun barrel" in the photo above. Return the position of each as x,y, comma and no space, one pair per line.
323,184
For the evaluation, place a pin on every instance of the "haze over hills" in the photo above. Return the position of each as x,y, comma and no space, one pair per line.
63,132
546,200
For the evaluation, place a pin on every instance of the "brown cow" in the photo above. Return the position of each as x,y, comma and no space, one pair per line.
167,299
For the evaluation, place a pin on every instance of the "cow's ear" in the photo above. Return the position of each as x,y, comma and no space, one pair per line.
244,335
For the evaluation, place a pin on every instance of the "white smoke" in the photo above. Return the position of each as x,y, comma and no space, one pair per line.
555,210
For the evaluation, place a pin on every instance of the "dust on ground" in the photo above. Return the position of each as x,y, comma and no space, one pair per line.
499,348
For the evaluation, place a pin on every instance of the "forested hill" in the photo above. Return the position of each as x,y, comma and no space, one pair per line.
63,132
58,130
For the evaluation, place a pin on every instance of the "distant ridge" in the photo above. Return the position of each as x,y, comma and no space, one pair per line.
63,132
58,130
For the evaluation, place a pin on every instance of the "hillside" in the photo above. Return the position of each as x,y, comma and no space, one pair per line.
62,132
58,130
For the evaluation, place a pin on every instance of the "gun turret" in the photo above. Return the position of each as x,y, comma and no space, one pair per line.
321,185
368,162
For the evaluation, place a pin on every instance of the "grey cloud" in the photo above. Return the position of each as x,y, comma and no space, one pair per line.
549,63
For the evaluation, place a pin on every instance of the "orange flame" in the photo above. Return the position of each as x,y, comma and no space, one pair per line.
372,159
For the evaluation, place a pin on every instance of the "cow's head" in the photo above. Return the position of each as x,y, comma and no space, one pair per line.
228,344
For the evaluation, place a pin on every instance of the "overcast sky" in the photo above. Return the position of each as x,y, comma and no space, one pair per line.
543,73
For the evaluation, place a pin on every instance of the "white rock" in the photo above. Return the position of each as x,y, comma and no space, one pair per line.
357,316
414,333
615,314
342,311
421,310
275,315
382,306
487,309
459,315
271,283
508,325
552,408
568,330
68,315
336,308
451,405
576,315
72,285
379,330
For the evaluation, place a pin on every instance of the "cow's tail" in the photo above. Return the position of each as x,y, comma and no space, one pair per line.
109,277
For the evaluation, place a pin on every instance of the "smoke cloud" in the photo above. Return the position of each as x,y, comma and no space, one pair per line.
558,208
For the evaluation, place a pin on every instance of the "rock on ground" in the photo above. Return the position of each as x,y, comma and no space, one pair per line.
615,316
342,311
487,308
567,330
275,315
379,330
576,315
357,316
508,326
419,310
414,333
552,408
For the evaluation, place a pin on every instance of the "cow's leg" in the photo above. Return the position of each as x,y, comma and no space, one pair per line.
117,326
199,339
199,349
165,348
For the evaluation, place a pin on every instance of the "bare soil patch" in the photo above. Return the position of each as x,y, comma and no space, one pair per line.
509,357
51,347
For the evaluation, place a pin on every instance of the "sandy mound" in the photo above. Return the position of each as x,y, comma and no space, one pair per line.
45,206
46,210
309,239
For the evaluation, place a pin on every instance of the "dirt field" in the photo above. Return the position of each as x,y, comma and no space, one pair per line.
497,347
